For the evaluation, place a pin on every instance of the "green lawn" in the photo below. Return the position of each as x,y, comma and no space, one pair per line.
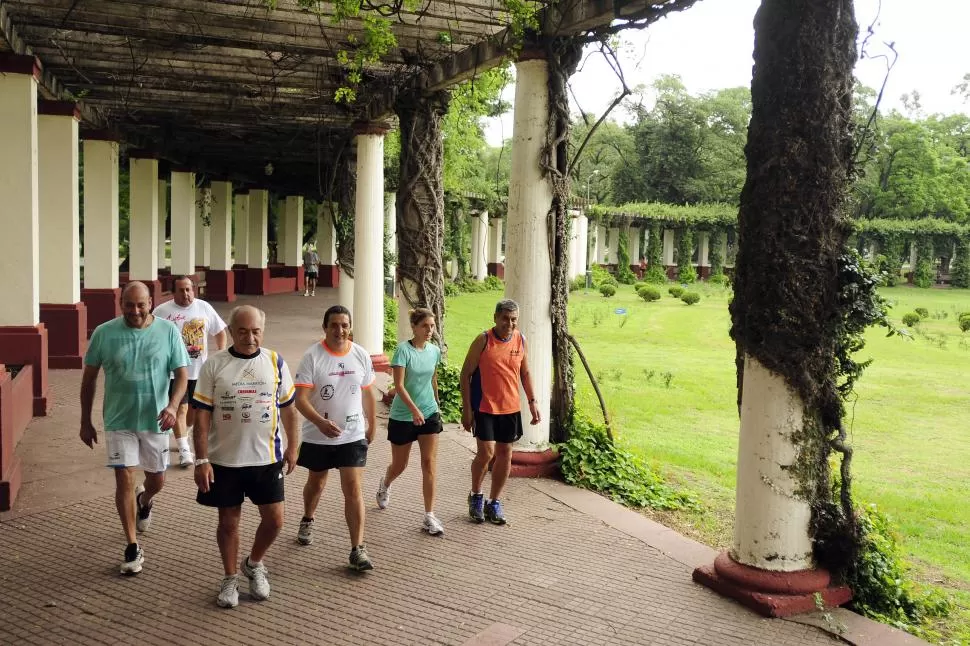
667,373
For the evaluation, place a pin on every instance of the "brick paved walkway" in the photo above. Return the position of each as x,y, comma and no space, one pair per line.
570,568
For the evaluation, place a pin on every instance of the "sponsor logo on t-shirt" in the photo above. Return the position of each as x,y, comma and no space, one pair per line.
341,373
246,416
249,373
264,417
265,394
228,397
326,392
246,407
229,408
246,391
226,417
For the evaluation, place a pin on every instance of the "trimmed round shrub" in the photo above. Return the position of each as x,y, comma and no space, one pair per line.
676,291
690,297
964,323
609,280
649,293
911,318
719,279
638,285
922,312
607,290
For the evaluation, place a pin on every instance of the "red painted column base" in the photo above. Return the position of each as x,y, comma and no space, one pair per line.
298,273
771,594
27,345
239,276
381,363
496,269
328,276
534,464
257,281
220,285
67,325
155,288
16,411
103,305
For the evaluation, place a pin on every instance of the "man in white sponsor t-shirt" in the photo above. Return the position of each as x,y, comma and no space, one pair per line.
196,321
335,397
242,396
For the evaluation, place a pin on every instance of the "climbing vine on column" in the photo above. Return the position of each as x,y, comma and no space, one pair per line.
656,272
623,273
421,204
345,187
563,56
714,256
685,252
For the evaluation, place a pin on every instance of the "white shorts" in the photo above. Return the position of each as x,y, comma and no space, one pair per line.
137,448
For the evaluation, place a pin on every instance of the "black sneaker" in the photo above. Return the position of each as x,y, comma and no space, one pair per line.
476,506
494,513
143,515
134,558
359,559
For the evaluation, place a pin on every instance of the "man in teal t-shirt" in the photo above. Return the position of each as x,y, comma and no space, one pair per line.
137,351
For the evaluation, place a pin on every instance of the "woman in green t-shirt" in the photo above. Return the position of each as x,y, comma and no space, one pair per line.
415,413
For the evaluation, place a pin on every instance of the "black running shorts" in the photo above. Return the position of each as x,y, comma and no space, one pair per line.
498,428
263,485
402,432
323,457
189,391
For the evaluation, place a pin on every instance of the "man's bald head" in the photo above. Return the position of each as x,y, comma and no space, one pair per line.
246,328
136,304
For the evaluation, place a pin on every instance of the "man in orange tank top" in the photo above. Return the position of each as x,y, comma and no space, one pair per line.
494,367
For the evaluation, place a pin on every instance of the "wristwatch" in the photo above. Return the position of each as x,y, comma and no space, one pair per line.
201,461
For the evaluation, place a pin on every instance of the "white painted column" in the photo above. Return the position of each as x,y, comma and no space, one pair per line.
601,236
240,242
479,266
390,231
668,251
368,241
582,244
633,235
258,229
774,534
703,250
59,207
143,219
100,214
19,191
220,229
202,231
183,223
528,267
292,255
162,218
326,236
280,230
613,247
494,240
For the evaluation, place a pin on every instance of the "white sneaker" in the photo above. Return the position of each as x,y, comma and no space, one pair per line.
258,583
313,293
186,459
383,494
143,515
432,525
228,592
134,557
305,294
305,535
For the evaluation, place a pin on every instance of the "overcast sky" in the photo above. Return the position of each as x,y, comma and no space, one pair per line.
709,46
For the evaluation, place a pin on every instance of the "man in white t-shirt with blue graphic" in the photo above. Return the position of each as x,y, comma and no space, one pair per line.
197,321
241,399
335,396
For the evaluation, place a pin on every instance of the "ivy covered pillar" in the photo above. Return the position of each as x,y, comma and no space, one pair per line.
328,273
202,229
421,205
369,243
787,315
495,265
390,247
61,309
220,283
100,293
143,222
479,244
528,270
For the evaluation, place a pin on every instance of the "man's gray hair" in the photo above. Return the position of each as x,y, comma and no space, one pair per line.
236,311
506,305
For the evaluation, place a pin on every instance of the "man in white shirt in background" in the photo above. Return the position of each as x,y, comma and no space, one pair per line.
242,396
196,321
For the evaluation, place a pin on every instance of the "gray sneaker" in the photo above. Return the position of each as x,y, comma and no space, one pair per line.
134,558
228,592
432,525
383,494
359,559
143,515
305,535
258,583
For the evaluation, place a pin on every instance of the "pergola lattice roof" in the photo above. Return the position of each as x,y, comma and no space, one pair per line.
227,86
